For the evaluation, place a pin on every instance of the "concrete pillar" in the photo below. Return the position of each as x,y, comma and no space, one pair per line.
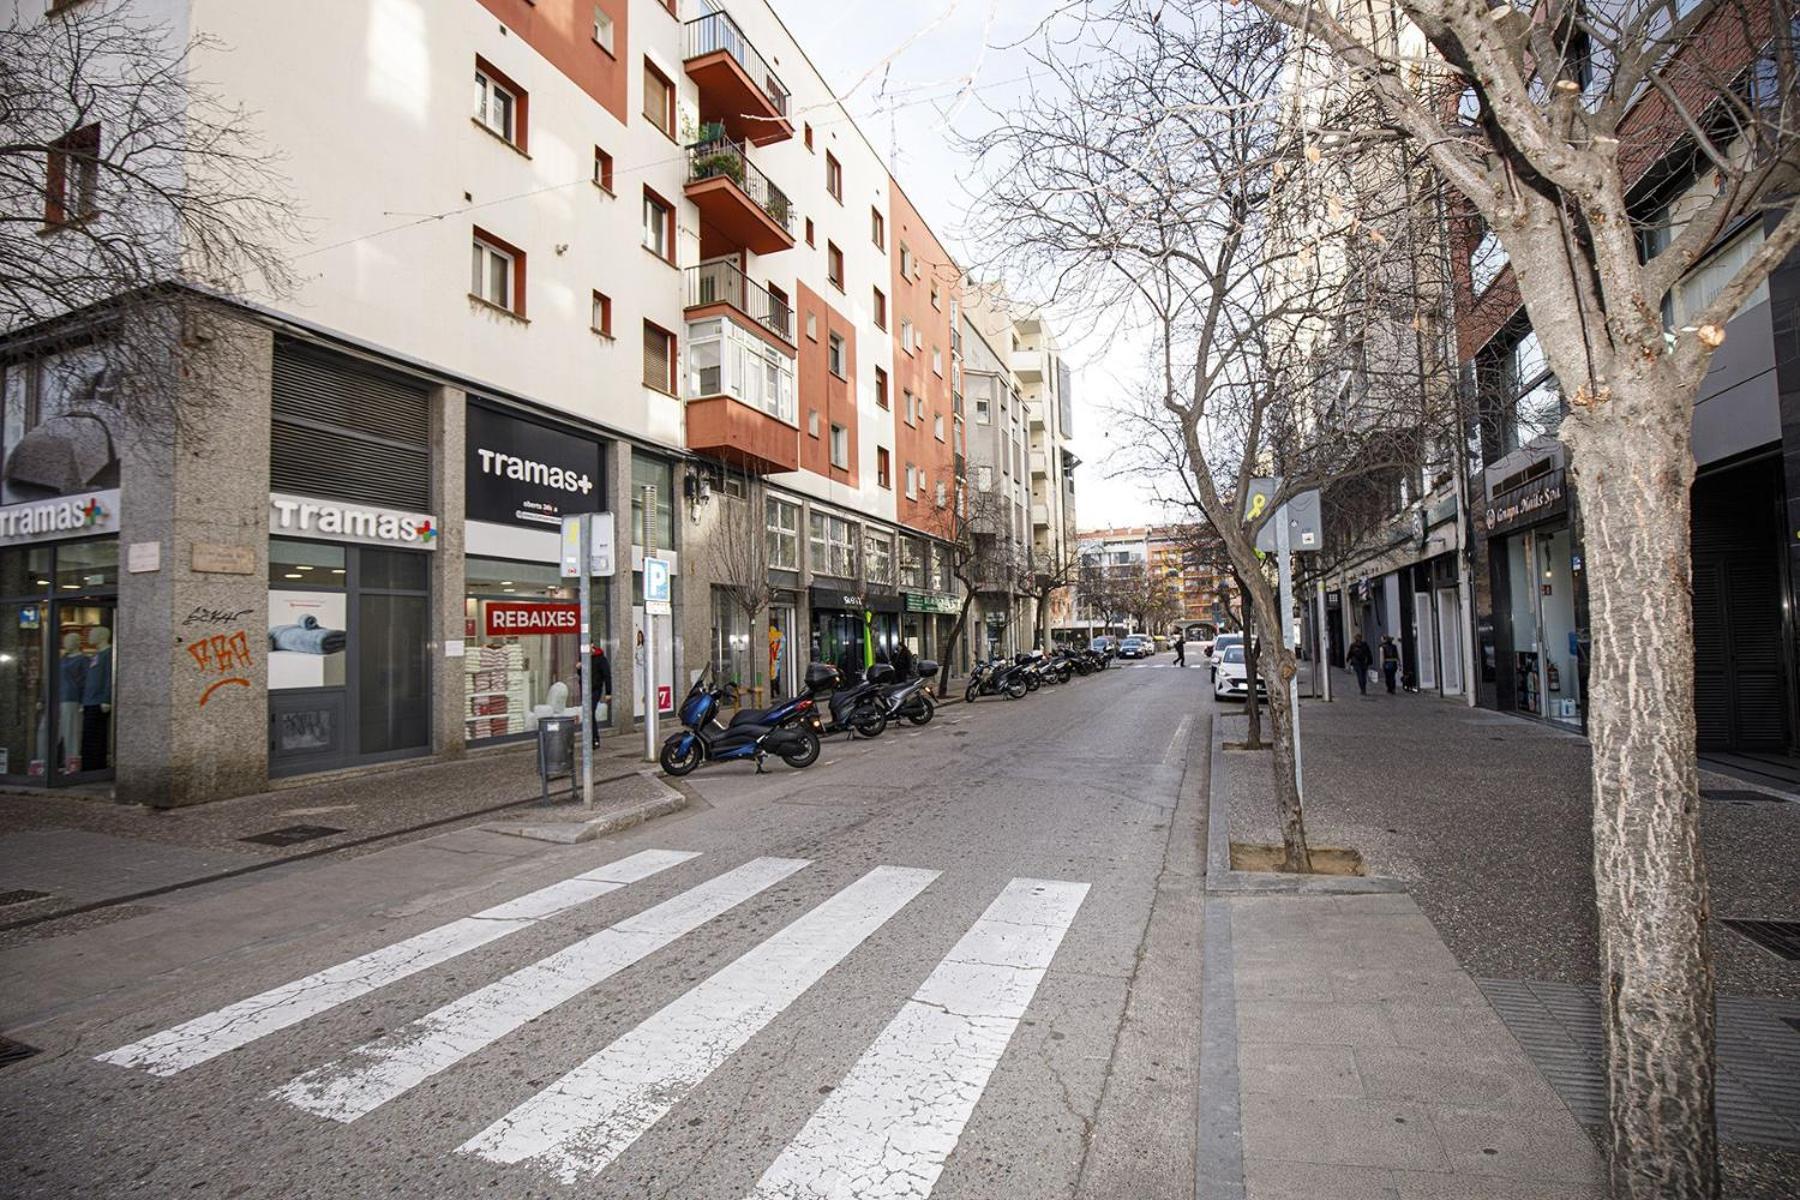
449,420
620,633
190,708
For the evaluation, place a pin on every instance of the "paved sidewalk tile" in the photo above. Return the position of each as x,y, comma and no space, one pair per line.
76,866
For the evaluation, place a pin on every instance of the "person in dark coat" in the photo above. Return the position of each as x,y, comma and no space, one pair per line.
902,661
1181,649
1390,661
1360,659
602,687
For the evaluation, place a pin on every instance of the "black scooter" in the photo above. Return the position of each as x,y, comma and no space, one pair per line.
911,699
857,708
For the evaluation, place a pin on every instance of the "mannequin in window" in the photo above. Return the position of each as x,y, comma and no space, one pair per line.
96,703
71,682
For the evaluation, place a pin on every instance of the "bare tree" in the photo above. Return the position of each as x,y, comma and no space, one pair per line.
975,530
131,199
1565,109
737,554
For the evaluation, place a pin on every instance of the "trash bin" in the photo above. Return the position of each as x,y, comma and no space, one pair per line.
556,751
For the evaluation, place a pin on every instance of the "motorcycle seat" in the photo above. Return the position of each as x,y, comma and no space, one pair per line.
750,716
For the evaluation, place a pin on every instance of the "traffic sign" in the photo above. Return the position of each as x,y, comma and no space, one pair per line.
656,580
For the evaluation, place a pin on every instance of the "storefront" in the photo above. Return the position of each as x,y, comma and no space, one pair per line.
1537,585
59,572
783,648
924,613
839,631
521,619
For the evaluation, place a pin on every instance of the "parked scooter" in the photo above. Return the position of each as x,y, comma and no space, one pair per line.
912,699
857,708
703,739
996,677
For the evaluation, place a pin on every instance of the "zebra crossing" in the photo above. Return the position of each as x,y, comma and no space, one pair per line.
886,1130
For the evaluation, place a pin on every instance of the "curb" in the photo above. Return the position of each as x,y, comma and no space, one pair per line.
569,833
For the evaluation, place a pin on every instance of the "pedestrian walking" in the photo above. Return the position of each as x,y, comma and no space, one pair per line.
603,686
901,660
1180,651
1390,661
1360,659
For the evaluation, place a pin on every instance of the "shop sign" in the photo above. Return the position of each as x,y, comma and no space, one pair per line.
522,473
334,520
509,618
931,602
83,514
1530,502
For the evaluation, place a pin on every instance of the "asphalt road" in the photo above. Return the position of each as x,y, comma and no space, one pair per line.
958,961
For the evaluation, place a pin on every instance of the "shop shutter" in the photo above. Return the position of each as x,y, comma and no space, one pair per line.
344,430
1712,666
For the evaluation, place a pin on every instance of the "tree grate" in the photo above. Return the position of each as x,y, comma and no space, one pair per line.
1780,938
20,896
1739,796
291,835
12,1052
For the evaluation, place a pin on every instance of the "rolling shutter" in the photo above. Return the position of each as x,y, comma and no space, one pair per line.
345,430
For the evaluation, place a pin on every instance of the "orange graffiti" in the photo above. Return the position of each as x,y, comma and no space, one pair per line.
207,694
219,654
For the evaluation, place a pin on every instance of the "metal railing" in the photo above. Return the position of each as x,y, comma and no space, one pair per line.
723,283
715,32
722,158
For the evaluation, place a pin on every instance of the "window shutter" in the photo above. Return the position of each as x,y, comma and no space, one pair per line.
656,358
348,431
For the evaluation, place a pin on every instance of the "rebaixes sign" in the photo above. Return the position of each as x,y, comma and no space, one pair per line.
507,618
522,473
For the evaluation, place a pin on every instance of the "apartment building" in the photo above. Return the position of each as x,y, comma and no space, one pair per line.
559,256
1153,574
999,489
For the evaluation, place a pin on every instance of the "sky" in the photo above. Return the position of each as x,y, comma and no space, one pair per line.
909,71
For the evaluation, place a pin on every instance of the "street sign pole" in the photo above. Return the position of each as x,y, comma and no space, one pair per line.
577,546
1285,571
650,705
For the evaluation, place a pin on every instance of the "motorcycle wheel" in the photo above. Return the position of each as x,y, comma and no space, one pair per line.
870,722
1031,683
674,760
807,754
970,693
921,713
1016,690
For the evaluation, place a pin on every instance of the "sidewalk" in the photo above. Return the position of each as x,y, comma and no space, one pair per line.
1384,1041
61,853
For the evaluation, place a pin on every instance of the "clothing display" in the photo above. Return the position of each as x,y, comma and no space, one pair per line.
308,637
499,682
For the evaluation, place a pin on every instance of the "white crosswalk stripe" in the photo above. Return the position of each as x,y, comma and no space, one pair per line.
206,1037
586,1119
378,1072
885,1132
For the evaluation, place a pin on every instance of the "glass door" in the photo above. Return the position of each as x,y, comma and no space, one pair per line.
28,737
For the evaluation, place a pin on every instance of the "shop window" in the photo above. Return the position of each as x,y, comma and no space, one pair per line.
658,474
522,626
730,658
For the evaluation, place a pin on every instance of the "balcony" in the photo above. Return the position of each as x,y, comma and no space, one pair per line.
720,285
739,207
748,438
737,88
1040,515
1038,463
1028,365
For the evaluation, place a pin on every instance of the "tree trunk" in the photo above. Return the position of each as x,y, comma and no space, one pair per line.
1632,461
1252,710
1298,855
956,632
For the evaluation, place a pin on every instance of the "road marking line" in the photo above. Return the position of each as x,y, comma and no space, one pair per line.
1177,742
382,1070
206,1037
590,1116
885,1132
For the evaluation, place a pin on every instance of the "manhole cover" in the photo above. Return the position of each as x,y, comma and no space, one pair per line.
291,835
12,1052
1780,938
1738,796
20,896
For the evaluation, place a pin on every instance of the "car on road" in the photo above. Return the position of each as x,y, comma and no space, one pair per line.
1221,644
1231,679
1136,646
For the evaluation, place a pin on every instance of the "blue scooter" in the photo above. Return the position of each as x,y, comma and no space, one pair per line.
782,731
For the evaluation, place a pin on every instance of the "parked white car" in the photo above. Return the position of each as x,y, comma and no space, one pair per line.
1230,679
1220,644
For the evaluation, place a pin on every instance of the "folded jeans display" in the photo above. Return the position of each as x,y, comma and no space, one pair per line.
308,637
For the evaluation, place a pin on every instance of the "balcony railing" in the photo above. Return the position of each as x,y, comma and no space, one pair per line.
722,158
717,31
723,283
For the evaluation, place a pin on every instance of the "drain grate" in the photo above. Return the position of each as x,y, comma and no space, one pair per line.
1792,1023
291,835
1780,938
12,1052
1739,796
20,896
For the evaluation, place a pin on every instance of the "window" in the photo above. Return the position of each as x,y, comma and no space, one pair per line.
908,403
724,359
834,177
657,474
499,104
941,496
602,320
809,144
881,387
497,273
1523,393
812,423
907,266
937,362
812,326
832,544
878,556
834,354
880,309
984,478
603,170
783,528
983,411
937,427
1486,261
1702,284
659,100
937,300
659,359
603,29
840,447
659,226
884,468
809,232
834,265
912,482
906,334
912,563
72,178
878,228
